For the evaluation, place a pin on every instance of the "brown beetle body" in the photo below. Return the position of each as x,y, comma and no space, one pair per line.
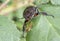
30,12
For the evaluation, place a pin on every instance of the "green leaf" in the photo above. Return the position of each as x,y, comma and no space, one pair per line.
38,2
55,2
8,30
20,11
44,1
46,28
53,10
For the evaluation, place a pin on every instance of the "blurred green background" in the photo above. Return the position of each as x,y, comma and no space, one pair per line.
45,28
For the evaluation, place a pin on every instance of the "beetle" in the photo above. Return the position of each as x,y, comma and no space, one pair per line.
29,13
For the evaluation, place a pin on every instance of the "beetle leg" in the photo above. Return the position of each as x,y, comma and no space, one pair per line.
29,26
44,13
24,27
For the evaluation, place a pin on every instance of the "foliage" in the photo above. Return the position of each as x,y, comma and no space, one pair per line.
45,28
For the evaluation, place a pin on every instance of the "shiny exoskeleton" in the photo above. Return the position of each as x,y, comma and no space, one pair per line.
29,13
